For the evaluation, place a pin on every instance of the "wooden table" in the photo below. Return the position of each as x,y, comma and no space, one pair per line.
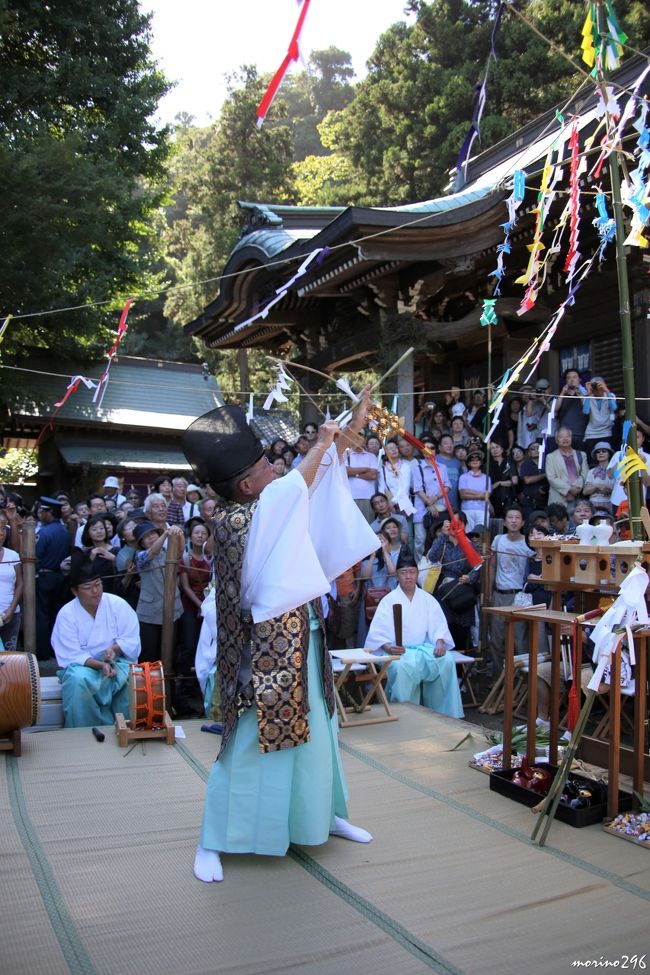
533,615
375,670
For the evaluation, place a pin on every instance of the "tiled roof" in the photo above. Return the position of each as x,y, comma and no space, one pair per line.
141,393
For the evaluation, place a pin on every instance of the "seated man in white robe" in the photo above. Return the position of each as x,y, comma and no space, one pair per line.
95,637
425,673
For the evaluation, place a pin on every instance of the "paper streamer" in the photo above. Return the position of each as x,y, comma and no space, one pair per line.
277,393
3,327
100,392
293,53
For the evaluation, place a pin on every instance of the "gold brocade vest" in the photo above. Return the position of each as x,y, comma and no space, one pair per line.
278,648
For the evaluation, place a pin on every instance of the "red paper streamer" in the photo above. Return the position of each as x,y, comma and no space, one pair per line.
293,54
574,198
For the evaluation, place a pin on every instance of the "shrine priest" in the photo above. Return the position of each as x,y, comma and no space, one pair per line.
278,544
95,637
426,671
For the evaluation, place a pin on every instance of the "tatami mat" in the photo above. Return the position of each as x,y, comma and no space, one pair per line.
96,850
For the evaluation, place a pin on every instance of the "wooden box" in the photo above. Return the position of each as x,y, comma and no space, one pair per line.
624,558
554,567
586,564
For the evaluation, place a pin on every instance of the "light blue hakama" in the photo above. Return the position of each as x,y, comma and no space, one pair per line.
91,699
260,803
418,677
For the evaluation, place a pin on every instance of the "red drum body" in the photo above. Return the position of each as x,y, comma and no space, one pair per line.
146,696
20,691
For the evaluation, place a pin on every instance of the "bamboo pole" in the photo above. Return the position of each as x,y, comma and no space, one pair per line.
173,554
28,559
629,390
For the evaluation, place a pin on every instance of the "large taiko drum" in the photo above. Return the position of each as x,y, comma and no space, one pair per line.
20,691
146,696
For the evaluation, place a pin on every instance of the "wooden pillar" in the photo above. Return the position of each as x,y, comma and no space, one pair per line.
28,559
244,376
174,549
405,389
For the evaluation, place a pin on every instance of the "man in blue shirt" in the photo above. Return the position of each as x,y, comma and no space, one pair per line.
52,547
445,457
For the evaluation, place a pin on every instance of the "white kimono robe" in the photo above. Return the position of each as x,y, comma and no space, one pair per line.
299,540
418,676
88,697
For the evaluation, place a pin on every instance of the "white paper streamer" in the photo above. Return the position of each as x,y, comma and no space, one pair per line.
344,386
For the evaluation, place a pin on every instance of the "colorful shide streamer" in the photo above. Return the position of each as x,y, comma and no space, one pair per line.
293,53
534,275
480,98
100,392
606,49
514,201
573,253
604,224
637,189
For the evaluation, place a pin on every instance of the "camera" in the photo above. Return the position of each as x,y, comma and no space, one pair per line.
430,406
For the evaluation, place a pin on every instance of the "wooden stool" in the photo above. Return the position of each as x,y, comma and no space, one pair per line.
374,670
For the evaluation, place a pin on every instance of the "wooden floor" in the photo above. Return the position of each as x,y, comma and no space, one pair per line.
96,850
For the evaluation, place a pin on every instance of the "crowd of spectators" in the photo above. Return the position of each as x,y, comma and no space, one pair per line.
544,470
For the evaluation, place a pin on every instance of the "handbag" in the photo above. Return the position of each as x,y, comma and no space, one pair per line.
428,574
523,598
372,597
458,596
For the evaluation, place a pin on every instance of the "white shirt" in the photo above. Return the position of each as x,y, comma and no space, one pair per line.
361,488
10,560
77,635
422,621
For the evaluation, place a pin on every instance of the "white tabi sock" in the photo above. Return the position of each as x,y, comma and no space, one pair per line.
207,866
349,832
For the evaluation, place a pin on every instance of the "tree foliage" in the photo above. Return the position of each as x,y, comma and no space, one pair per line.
404,128
81,164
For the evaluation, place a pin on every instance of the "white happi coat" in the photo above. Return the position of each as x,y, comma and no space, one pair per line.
418,677
422,621
77,635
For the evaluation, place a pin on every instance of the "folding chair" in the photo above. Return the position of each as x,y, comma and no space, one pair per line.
464,668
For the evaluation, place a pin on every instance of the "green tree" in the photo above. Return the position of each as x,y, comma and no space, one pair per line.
212,168
18,465
82,168
309,95
404,128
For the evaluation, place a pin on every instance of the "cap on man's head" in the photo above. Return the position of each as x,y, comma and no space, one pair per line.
193,488
111,482
220,445
82,568
51,504
542,384
406,559
458,409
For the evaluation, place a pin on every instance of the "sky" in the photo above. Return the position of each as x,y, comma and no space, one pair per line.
198,42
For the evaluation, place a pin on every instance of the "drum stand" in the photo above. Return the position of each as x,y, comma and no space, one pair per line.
11,742
127,735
